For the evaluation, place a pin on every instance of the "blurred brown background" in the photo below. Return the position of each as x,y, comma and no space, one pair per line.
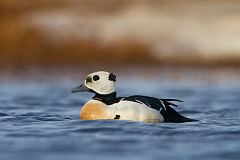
112,32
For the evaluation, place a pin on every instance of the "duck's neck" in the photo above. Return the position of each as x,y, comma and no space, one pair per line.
105,98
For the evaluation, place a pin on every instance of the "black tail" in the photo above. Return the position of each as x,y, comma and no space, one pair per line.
172,116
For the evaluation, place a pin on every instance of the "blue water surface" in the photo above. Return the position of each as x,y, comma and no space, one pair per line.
40,121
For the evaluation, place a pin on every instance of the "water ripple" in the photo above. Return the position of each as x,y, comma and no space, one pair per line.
47,126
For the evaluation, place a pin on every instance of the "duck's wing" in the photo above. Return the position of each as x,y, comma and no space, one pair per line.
162,105
169,102
152,102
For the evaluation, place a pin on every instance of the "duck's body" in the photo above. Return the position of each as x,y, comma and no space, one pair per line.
123,110
106,106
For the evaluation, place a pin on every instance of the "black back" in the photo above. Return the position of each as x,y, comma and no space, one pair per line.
149,101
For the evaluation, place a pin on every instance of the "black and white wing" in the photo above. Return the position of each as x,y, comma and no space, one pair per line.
152,102
162,105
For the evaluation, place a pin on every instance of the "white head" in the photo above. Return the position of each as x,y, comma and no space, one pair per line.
99,82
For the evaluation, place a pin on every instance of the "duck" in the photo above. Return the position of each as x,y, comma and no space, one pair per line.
105,105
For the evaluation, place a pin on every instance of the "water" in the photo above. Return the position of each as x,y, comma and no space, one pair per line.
41,121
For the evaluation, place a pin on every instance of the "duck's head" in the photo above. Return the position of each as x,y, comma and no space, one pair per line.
98,82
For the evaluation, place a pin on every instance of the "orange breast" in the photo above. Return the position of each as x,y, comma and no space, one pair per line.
94,111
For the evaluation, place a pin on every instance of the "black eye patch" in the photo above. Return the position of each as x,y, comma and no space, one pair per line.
112,77
96,78
88,80
117,117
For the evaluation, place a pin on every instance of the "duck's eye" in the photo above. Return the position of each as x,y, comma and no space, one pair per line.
96,78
